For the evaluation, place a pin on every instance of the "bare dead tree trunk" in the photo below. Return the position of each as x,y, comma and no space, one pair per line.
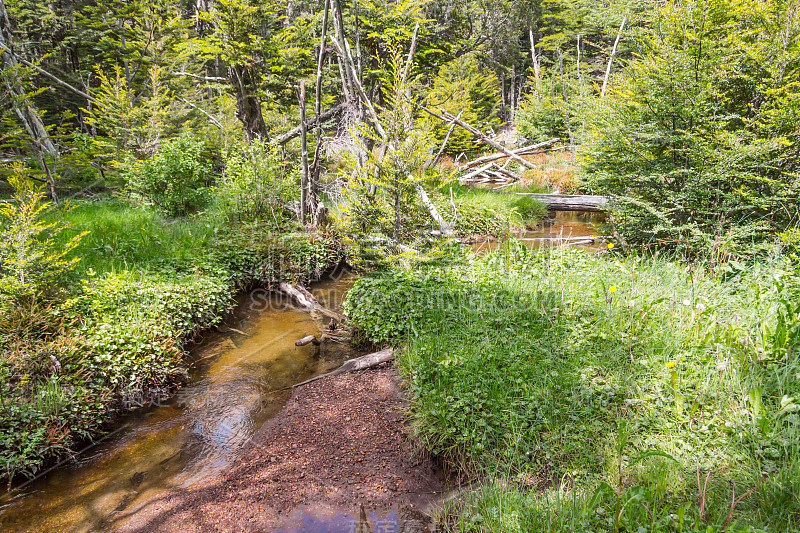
25,110
578,67
611,58
301,96
316,166
513,96
345,58
564,95
359,65
537,73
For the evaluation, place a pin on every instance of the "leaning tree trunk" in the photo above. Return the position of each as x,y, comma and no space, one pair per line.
23,107
248,107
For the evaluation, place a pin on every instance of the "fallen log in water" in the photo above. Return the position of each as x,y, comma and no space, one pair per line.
305,341
306,301
570,202
353,365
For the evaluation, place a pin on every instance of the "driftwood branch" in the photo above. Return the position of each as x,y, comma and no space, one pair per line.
354,365
306,301
526,150
305,341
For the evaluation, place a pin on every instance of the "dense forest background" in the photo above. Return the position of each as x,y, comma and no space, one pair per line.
158,157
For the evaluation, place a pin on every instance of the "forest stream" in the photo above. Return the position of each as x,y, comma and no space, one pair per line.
193,435
191,438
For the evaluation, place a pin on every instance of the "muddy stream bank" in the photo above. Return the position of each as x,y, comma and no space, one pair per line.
193,438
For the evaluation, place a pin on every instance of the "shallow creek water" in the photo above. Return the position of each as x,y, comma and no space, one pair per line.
565,226
192,436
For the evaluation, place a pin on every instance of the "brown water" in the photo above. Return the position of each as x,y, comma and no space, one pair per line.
194,435
566,227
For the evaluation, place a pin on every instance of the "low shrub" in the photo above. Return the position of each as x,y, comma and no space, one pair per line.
176,179
256,185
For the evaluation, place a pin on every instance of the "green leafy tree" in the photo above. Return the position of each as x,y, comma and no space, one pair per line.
176,179
463,86
694,140
31,255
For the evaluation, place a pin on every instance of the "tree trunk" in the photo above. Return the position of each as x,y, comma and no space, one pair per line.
537,73
316,166
25,110
611,58
564,95
248,107
301,96
570,202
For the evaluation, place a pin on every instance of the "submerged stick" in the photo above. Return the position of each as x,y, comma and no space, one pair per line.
353,365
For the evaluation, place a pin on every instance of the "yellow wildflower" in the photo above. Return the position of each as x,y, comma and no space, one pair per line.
612,289
611,246
671,364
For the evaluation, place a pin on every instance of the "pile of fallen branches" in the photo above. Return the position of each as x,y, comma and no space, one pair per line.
495,168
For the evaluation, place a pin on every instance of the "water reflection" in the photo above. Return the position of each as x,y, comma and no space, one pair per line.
565,227
191,437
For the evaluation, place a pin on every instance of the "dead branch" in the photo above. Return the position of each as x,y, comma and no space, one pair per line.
209,79
294,132
306,301
354,365
447,117
527,150
203,111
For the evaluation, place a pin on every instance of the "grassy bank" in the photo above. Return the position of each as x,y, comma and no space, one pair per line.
114,335
475,212
589,393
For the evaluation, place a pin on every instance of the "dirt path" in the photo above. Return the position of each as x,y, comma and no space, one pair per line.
339,443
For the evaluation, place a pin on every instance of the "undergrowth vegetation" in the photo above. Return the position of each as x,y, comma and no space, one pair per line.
110,334
601,393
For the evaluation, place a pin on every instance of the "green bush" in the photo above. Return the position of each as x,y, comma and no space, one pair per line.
176,179
31,256
256,185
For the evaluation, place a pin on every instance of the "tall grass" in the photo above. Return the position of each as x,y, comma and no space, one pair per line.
614,381
122,237
475,210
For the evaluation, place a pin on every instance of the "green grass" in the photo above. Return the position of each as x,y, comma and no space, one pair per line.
122,237
585,391
485,212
